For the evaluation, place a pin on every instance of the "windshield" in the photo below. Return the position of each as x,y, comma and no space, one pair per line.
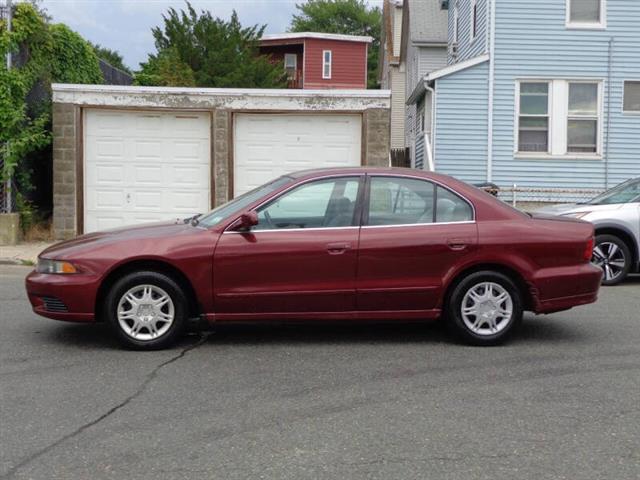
626,192
238,204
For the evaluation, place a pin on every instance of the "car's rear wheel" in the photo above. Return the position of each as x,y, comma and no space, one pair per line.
614,257
147,310
484,308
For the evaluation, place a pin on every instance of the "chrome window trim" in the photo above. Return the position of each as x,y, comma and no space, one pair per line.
282,230
465,222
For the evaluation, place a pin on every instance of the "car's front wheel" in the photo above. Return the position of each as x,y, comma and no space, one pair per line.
613,256
147,310
485,308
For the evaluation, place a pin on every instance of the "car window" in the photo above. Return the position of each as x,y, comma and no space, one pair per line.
400,201
326,203
410,201
451,208
624,193
240,203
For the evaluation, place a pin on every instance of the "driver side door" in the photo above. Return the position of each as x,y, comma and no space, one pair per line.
300,259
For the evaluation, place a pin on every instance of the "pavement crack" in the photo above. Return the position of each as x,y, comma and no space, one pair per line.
143,386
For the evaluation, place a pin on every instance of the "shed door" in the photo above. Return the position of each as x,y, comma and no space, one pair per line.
144,167
267,146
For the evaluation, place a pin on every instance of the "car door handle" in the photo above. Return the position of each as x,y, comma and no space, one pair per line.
338,248
456,244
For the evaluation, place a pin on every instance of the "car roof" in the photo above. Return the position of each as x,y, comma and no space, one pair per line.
319,172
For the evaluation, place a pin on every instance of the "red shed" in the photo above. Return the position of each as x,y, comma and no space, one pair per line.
320,60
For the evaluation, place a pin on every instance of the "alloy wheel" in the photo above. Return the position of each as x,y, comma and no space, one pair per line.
145,312
487,308
611,258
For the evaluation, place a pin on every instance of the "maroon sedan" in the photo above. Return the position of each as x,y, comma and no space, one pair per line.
360,243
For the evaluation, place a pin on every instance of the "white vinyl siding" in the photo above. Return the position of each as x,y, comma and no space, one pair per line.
326,64
559,117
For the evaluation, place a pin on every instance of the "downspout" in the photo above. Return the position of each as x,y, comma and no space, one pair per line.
492,70
609,89
432,157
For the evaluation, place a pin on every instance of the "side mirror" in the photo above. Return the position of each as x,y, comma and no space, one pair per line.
246,221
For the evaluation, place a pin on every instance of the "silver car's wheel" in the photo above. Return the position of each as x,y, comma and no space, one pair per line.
609,256
487,308
145,312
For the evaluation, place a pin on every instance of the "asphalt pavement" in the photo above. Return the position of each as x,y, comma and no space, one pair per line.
392,401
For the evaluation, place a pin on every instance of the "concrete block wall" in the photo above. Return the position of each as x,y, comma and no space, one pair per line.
65,144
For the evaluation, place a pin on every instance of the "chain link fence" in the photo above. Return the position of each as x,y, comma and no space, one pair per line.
530,198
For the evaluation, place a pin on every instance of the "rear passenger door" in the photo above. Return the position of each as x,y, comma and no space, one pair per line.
413,232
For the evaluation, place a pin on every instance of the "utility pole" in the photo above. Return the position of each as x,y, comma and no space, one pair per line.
7,191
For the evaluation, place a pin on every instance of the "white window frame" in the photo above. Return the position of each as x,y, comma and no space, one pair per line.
473,25
325,64
624,91
456,18
295,60
598,117
559,120
600,25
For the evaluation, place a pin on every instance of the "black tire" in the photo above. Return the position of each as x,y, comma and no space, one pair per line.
454,306
162,281
602,241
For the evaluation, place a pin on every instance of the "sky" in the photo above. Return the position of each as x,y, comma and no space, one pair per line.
125,25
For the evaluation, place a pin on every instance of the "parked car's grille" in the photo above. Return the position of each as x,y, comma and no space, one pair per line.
53,304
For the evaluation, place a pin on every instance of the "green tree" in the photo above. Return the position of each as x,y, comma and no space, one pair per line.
112,57
348,17
43,54
197,49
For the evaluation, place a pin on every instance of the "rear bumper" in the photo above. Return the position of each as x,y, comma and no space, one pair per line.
70,298
562,288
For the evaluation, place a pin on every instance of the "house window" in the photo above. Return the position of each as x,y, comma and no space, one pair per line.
474,19
632,97
586,13
559,117
533,132
456,22
326,64
582,130
290,61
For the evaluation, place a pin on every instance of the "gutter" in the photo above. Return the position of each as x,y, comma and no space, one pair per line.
492,73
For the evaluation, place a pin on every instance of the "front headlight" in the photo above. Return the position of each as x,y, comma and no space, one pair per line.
576,214
54,266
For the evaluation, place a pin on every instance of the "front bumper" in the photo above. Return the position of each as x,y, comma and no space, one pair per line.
562,288
70,297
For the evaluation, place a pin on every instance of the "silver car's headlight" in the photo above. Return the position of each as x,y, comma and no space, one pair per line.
576,214
54,266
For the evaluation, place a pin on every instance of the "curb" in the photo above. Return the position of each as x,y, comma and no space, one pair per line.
15,262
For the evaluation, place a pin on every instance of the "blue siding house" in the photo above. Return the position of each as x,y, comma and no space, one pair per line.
543,94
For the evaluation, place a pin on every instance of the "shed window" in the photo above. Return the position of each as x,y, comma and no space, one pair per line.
586,12
326,64
534,117
632,97
290,61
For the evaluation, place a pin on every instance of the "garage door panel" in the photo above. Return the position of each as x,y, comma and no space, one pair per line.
145,166
269,145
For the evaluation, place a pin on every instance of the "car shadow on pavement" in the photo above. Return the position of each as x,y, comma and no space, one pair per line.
533,330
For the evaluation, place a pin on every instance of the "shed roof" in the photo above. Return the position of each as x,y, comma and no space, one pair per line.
316,35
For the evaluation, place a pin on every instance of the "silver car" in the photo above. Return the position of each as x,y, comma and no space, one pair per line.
616,216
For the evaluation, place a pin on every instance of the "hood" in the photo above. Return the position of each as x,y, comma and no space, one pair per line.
557,209
99,239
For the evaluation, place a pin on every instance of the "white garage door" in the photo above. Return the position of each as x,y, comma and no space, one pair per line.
269,145
144,166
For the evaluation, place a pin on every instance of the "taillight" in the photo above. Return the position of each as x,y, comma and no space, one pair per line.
588,250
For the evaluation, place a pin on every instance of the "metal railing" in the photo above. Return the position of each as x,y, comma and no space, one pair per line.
524,197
